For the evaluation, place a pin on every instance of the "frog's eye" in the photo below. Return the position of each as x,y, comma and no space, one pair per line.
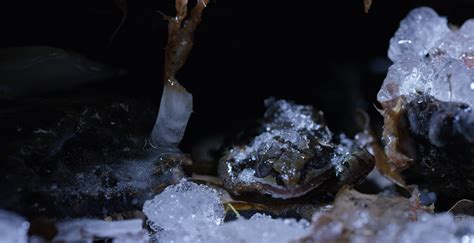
263,168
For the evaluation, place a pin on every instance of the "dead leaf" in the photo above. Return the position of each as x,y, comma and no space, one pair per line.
463,207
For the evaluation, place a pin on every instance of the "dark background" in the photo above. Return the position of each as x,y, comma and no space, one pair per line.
331,55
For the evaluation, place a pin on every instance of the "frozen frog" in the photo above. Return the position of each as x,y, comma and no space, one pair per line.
293,154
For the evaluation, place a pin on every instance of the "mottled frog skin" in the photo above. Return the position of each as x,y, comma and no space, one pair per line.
294,153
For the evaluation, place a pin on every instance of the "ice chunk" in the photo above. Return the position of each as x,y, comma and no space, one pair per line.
417,33
86,230
404,77
13,228
188,212
184,212
175,109
454,80
430,59
186,205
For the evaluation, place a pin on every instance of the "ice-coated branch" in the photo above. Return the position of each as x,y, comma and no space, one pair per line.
176,102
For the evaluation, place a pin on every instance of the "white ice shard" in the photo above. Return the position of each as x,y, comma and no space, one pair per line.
13,228
86,230
184,211
188,212
430,58
417,33
175,109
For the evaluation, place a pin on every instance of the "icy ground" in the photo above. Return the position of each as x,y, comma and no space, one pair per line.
431,58
188,212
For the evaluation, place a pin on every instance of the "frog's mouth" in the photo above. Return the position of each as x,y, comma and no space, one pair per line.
246,181
268,185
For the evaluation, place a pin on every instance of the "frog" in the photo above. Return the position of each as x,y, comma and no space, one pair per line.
293,153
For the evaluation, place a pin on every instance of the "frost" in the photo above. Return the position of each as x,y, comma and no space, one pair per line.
430,58
131,175
343,151
287,123
261,228
188,212
442,228
438,228
87,230
13,228
284,114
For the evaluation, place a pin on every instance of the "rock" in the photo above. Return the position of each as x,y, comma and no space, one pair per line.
31,70
427,99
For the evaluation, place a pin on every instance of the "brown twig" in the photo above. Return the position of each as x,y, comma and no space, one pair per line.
180,37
